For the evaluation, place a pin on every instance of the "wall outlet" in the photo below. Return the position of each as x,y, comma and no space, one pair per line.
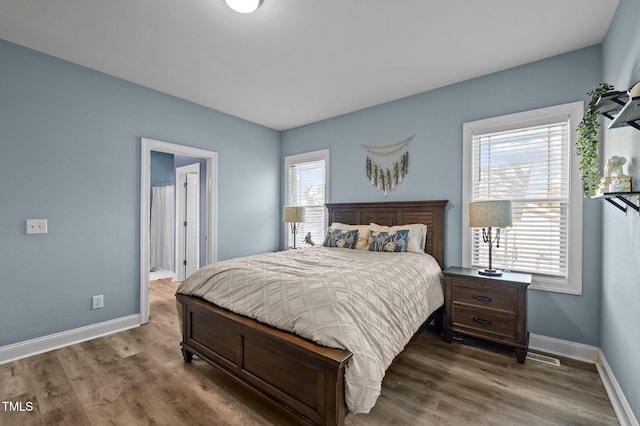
36,226
98,302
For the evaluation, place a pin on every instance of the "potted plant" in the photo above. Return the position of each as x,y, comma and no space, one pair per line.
587,144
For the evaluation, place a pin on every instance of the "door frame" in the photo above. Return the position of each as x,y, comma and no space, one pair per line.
211,227
180,233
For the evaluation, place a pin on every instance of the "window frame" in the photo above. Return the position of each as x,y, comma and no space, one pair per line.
304,157
572,284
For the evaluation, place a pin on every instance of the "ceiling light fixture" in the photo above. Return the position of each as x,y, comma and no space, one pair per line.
243,6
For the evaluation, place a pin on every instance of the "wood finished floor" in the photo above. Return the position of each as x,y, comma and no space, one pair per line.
138,377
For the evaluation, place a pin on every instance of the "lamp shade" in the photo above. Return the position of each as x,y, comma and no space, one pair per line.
292,214
484,214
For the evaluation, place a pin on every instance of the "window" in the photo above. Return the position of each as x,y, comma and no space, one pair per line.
306,184
528,158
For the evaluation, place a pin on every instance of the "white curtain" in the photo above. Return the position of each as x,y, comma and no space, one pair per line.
162,224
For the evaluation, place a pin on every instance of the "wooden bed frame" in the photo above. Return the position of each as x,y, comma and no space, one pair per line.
302,377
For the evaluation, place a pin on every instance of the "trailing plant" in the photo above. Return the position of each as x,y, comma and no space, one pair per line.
587,144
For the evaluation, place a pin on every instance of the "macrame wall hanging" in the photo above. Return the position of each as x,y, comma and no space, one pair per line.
387,165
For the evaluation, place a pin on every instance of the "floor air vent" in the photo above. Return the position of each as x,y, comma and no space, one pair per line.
543,359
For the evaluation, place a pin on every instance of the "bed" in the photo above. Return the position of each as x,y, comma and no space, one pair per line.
306,379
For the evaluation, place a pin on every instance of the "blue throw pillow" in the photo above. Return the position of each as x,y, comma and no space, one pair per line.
389,241
339,238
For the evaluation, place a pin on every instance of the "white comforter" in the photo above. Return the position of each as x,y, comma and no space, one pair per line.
366,302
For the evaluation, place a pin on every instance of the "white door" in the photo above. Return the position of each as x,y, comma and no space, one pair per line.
192,226
187,220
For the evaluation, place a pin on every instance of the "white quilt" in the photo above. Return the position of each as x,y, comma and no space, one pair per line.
369,303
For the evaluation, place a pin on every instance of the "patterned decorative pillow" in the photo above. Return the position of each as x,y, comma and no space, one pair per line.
340,238
417,234
395,241
363,233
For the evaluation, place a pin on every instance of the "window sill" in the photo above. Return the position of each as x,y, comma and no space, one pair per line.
559,285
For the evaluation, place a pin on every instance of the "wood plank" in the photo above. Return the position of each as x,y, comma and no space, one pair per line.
14,379
20,418
50,383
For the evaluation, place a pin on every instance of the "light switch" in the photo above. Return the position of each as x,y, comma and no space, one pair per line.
36,226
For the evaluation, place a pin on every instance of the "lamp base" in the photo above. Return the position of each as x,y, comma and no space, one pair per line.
490,272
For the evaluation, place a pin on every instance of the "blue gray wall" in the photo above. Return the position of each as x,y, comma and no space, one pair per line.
436,118
621,233
162,169
70,153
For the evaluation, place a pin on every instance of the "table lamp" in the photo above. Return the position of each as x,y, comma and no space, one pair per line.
487,215
293,215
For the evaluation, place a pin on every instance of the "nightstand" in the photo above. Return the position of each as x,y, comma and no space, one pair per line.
488,307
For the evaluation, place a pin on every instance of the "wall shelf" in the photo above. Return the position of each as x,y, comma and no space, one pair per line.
629,199
620,108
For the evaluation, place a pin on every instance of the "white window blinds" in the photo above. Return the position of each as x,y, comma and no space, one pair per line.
530,167
306,187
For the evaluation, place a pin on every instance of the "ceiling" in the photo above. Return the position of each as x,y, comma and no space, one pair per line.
295,62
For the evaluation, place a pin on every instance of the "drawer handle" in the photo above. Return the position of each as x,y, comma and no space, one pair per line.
483,321
483,298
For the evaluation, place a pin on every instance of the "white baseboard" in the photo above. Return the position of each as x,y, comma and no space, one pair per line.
592,355
48,343
573,350
616,396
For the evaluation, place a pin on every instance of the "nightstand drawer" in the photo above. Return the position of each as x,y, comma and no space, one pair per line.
485,322
505,301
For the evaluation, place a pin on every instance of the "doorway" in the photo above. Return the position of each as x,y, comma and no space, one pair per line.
200,252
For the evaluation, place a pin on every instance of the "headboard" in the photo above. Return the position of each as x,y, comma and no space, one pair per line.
431,213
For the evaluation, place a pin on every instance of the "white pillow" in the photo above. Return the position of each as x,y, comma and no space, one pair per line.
363,233
417,234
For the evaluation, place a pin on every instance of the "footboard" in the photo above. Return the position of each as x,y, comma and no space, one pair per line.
304,378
